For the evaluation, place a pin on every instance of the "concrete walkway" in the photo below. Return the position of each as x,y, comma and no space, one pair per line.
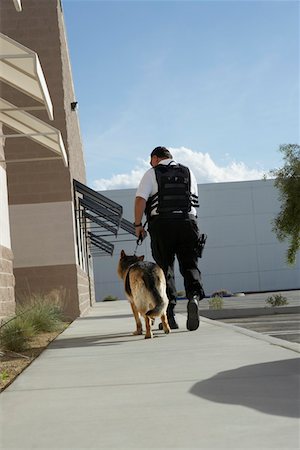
99,387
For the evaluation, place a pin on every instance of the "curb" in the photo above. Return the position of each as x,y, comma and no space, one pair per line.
254,334
247,312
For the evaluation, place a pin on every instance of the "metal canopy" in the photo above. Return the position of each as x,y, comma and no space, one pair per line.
104,213
29,126
92,207
20,67
99,222
99,206
96,213
127,226
100,244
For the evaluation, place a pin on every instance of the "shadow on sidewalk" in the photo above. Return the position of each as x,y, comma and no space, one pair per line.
272,388
98,340
93,340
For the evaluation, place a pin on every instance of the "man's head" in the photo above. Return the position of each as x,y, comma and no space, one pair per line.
158,154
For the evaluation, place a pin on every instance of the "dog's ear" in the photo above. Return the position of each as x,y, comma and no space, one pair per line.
123,254
141,258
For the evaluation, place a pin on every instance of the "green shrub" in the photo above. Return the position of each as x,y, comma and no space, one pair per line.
221,293
44,314
110,298
277,300
16,334
216,302
4,375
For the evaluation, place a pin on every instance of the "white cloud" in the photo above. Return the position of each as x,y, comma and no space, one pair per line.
204,168
207,171
120,181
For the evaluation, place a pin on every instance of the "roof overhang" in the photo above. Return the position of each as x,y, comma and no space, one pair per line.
99,205
20,67
100,244
29,126
18,5
95,212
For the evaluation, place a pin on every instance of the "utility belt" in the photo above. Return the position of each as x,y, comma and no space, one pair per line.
172,216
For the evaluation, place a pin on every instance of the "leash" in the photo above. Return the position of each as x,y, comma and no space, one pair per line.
140,239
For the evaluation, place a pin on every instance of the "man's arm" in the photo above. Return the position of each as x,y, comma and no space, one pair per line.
139,209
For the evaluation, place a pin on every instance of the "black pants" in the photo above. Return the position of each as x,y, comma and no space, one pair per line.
177,237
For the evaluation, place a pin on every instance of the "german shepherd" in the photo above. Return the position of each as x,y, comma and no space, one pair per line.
145,287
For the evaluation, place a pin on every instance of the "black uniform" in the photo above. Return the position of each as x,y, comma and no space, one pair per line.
174,231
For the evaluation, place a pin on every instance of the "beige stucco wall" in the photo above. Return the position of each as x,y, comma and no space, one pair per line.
41,193
42,234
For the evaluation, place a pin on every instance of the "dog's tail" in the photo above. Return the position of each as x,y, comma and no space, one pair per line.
152,280
157,311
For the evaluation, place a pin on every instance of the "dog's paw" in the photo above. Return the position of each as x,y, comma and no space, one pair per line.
148,336
167,330
137,332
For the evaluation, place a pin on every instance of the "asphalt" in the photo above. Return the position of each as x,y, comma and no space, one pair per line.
99,387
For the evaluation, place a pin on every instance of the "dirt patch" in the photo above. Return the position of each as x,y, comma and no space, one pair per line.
12,364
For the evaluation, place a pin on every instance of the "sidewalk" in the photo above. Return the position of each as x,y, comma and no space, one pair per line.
99,387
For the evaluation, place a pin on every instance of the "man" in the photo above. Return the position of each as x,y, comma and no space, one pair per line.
168,194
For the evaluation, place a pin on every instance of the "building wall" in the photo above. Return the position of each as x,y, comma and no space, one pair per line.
242,253
7,280
41,193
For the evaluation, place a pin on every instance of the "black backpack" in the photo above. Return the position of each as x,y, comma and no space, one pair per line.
174,191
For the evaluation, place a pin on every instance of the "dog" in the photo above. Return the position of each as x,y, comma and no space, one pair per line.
145,288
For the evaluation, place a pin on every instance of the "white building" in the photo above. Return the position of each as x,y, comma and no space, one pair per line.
242,254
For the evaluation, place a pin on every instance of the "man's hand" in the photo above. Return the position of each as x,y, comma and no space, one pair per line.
140,232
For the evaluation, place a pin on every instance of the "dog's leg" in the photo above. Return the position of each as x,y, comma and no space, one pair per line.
138,322
165,324
149,334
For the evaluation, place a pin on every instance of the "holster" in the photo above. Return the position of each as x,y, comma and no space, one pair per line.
200,244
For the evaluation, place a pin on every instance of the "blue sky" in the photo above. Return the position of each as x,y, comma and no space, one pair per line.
215,81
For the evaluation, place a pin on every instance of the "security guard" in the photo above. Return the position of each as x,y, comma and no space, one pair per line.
168,195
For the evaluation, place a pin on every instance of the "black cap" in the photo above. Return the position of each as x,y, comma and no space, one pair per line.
161,152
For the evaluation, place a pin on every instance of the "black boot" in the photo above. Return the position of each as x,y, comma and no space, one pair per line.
171,320
193,319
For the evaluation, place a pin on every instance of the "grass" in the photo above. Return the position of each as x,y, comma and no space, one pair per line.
221,293
4,375
16,334
42,313
216,302
110,298
39,314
